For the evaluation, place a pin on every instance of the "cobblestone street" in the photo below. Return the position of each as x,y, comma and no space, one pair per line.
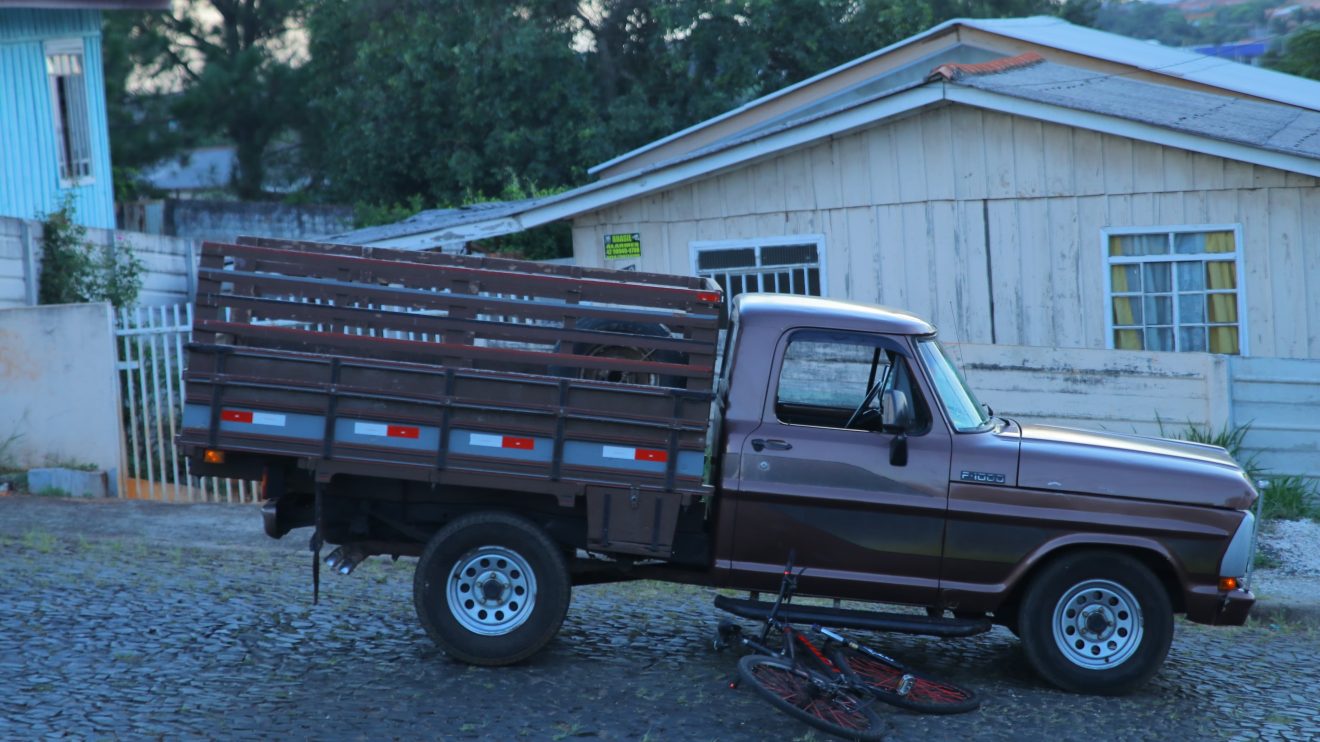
124,619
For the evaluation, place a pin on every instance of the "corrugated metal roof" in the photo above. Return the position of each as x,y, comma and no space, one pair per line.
436,220
1148,55
1050,31
1270,126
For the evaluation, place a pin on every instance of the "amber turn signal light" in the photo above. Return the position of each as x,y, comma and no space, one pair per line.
1228,583
213,456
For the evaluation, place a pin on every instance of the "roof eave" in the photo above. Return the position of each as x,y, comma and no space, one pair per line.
928,33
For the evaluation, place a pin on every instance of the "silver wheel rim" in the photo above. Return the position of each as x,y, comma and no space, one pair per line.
491,590
1097,624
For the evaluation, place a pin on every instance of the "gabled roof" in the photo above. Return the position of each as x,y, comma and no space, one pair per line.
974,40
1283,129
1139,105
445,226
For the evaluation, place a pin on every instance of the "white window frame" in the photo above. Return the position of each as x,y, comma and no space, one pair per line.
696,247
1171,257
69,46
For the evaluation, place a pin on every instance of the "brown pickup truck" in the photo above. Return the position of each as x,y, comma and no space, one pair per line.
522,428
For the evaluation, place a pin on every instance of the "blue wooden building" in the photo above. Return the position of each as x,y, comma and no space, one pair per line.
53,133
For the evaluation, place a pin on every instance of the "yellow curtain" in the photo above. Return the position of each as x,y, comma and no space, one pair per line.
1224,340
1128,340
1122,304
1219,242
1221,275
1115,246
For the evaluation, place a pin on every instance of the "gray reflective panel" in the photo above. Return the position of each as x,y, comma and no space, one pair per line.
1157,277
1159,338
1191,339
1159,309
1143,244
1191,309
1190,276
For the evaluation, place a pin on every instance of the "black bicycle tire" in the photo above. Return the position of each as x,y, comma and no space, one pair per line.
748,670
928,695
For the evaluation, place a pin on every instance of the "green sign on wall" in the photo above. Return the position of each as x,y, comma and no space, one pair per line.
618,246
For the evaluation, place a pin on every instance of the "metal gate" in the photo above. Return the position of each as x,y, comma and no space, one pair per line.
150,342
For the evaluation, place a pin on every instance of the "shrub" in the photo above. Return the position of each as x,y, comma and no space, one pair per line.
72,270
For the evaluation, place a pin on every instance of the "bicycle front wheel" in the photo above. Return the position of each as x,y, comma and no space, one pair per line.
904,688
811,697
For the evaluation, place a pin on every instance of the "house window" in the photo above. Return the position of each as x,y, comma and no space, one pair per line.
781,265
68,94
1175,289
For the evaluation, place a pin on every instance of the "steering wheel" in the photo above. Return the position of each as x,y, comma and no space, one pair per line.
866,402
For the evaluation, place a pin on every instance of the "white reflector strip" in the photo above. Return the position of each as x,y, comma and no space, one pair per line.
483,439
618,452
380,429
268,418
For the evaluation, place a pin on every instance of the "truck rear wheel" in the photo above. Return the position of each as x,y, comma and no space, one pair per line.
1096,622
491,588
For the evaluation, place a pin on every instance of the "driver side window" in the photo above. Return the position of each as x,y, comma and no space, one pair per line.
826,376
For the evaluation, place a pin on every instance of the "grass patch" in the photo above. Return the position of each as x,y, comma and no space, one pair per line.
1289,498
40,541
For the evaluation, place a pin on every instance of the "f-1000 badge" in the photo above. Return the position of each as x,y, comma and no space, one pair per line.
984,477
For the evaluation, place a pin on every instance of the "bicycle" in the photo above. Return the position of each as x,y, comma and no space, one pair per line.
832,691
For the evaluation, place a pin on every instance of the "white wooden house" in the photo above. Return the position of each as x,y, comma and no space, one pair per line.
1020,181
1146,219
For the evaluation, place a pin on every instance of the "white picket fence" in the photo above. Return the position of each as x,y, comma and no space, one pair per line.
150,342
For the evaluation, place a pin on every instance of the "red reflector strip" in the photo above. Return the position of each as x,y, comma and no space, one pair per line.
525,444
236,416
403,431
651,454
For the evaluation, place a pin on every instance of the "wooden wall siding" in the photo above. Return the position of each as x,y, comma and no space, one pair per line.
911,208
1278,399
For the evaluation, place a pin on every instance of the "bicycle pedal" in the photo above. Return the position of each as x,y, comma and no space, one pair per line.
905,685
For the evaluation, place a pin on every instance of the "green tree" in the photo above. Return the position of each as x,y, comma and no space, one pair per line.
1301,54
232,65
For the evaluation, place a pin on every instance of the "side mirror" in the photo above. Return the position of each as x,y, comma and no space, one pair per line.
895,412
896,416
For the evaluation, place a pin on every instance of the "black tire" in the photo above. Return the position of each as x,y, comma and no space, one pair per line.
791,690
517,581
622,350
925,694
1096,622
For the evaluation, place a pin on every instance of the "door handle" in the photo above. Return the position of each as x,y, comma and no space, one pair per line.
774,444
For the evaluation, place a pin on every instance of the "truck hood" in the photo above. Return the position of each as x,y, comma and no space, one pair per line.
1132,466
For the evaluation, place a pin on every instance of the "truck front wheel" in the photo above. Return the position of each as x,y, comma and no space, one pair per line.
491,588
1096,622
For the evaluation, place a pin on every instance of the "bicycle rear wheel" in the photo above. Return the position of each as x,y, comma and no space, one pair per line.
885,681
810,697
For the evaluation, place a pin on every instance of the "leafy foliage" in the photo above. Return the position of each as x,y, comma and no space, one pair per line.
73,270
448,100
1301,54
224,69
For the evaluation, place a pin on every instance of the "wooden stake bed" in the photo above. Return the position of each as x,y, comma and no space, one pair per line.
457,369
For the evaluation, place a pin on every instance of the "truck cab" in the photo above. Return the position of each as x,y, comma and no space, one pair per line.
850,436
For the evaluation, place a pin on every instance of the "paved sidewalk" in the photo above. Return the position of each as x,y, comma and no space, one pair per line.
141,620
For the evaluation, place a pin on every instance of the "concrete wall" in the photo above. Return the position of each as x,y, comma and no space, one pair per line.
170,263
223,221
58,389
1153,393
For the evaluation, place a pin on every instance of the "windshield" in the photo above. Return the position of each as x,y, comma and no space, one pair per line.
965,412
